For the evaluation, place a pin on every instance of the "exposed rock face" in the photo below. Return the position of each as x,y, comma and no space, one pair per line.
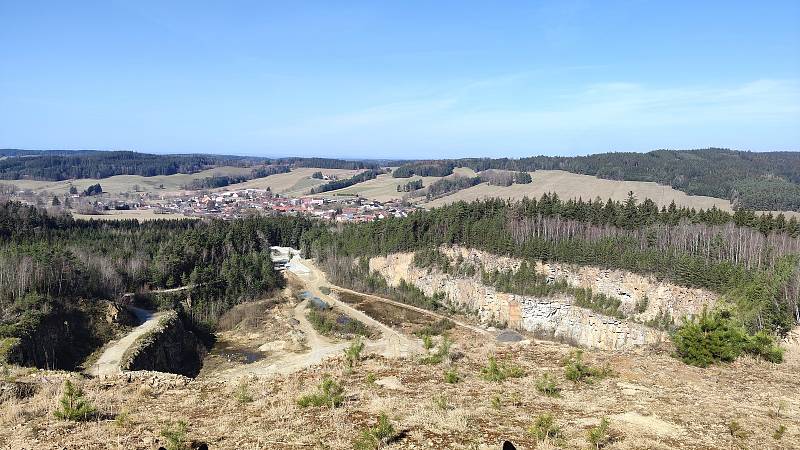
62,337
554,317
630,288
170,347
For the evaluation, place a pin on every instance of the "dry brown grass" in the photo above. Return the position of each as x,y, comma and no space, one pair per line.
653,401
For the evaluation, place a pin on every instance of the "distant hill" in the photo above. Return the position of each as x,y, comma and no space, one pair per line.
768,181
751,180
58,165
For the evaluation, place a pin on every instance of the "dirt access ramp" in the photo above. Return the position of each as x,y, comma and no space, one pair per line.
109,362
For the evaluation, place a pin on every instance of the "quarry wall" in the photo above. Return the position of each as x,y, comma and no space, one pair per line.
554,317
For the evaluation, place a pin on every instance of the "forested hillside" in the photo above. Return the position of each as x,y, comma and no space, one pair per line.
750,180
50,265
57,165
63,165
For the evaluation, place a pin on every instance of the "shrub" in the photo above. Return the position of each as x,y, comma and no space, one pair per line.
547,386
496,402
370,378
779,432
452,376
74,405
353,353
175,435
330,394
440,354
598,436
736,431
544,428
243,393
427,342
576,370
715,337
441,402
499,372
123,419
436,328
376,436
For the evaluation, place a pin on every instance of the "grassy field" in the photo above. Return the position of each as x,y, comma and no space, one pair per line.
570,185
140,215
125,183
384,187
295,183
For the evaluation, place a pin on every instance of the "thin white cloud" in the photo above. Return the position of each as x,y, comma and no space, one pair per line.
595,115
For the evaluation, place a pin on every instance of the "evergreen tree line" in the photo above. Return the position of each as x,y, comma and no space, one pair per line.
56,166
756,271
449,185
425,169
341,184
330,163
411,186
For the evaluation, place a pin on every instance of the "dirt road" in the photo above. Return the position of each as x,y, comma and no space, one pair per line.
391,344
108,363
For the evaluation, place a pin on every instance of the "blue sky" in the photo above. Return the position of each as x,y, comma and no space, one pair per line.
410,79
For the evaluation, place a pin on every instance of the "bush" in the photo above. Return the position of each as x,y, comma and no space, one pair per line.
353,353
452,376
376,436
715,338
547,386
330,394
576,370
436,328
499,372
427,342
175,434
440,354
243,393
598,436
74,405
544,428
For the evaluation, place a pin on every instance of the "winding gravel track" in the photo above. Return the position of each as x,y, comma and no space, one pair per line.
108,363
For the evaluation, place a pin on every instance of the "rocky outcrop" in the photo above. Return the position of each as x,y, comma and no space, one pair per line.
169,347
630,288
551,318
